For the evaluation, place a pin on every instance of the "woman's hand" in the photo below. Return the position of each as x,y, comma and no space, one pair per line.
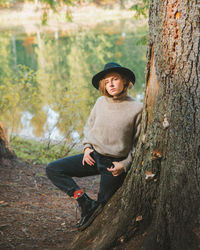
87,157
117,169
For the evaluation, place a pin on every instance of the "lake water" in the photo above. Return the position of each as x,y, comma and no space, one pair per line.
45,77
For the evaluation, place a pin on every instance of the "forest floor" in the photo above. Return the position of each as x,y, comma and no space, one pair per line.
36,215
33,213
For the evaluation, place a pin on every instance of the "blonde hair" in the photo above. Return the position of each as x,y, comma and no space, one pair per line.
128,84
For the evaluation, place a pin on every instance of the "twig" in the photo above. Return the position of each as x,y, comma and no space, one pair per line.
4,225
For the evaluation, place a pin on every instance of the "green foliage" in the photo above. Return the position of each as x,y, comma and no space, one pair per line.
55,5
44,18
19,89
141,8
39,152
54,75
143,40
4,3
50,3
68,16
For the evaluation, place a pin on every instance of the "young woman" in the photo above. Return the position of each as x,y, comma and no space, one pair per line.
111,135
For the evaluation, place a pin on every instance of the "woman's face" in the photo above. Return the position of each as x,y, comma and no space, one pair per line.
114,84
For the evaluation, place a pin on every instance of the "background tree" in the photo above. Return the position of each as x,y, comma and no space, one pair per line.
160,197
5,150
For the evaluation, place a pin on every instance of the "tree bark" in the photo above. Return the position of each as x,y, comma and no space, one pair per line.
5,150
160,197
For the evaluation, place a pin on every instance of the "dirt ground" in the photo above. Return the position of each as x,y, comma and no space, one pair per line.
36,215
33,213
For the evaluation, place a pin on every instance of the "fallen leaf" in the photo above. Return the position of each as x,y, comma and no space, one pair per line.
139,218
58,218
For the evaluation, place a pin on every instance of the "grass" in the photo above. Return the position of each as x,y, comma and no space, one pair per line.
36,152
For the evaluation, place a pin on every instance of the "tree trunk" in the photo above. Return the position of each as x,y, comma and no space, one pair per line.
5,151
160,197
122,4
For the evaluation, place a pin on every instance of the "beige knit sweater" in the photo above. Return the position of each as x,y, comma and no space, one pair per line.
113,128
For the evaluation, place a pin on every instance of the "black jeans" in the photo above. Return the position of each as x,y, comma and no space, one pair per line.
61,171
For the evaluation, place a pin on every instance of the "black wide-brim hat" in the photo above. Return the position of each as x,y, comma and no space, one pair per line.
112,67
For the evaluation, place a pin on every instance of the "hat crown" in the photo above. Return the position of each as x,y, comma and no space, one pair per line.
111,65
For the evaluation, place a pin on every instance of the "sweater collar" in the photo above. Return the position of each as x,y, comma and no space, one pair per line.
117,100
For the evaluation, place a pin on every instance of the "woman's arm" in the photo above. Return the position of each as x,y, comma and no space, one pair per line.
88,127
129,159
88,148
124,165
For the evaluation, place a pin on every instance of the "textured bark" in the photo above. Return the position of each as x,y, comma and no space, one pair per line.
161,194
5,151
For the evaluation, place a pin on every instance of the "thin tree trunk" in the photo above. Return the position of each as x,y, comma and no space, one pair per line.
161,194
5,150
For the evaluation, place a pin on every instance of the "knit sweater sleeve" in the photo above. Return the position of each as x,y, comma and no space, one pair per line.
88,127
129,159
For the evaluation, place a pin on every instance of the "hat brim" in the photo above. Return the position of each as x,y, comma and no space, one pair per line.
99,76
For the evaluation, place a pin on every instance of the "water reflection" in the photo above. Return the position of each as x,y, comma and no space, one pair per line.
27,129
45,80
50,129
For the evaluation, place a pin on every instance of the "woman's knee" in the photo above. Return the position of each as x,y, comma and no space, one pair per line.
50,169
57,168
